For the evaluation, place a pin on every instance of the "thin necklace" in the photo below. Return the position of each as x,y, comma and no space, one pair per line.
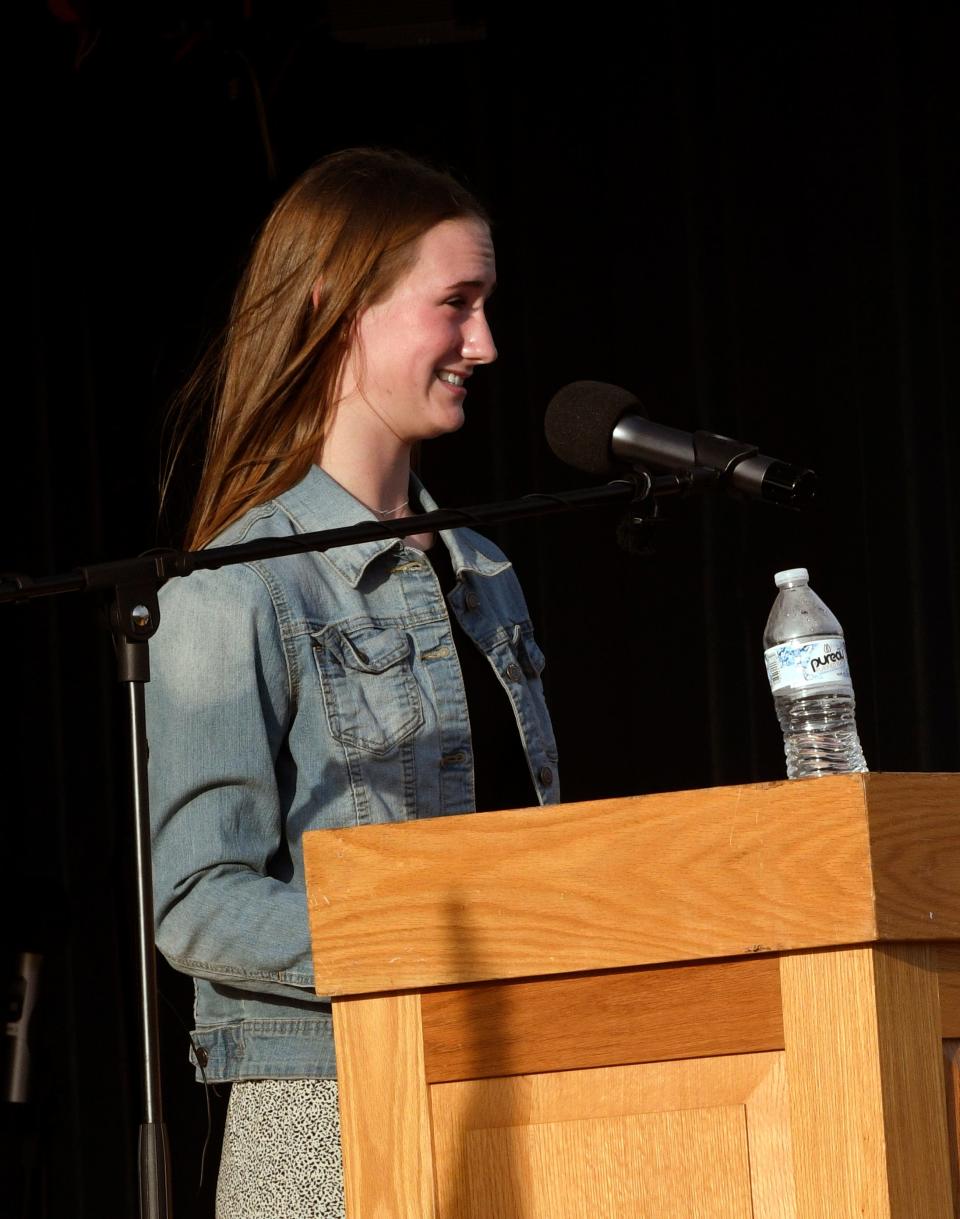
385,513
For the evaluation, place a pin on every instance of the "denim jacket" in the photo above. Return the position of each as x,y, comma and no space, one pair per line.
309,692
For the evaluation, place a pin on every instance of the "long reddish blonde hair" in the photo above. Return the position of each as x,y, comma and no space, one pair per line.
338,240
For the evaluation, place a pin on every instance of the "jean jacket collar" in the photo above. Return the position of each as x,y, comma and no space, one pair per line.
468,550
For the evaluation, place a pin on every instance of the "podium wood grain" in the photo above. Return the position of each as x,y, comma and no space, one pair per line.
869,1119
589,1020
706,1138
384,1113
704,1004
948,967
604,884
951,1055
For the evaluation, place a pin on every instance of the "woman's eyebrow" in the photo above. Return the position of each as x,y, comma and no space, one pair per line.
489,284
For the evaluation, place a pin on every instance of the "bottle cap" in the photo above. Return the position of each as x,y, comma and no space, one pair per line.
793,575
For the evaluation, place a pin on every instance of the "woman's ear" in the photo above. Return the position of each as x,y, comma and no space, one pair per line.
315,295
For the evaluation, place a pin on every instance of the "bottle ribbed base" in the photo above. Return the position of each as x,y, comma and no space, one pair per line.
820,736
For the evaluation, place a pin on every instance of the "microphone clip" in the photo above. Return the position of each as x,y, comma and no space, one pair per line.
633,533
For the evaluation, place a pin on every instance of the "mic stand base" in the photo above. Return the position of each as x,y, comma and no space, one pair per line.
154,1155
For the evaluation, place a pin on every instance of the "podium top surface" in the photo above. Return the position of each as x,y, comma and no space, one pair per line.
604,884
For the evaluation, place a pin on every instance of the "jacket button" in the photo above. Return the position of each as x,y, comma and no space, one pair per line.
513,672
545,775
471,600
201,1055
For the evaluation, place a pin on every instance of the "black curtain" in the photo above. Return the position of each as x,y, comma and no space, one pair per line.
748,219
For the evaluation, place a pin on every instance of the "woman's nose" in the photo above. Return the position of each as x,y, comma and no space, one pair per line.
478,344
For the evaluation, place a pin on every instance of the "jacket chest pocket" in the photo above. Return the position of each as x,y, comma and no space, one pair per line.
370,694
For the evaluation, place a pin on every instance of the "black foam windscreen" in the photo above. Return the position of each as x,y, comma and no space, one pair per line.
580,420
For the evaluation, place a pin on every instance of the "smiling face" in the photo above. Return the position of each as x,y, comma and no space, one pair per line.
407,369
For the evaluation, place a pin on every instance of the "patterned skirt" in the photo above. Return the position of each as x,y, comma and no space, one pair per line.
281,1151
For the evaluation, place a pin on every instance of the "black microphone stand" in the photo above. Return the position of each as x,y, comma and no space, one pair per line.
132,585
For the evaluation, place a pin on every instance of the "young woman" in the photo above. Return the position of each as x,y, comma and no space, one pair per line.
371,683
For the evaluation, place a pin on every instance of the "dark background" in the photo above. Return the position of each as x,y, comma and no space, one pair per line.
748,219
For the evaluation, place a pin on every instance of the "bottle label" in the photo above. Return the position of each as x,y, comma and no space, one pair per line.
800,666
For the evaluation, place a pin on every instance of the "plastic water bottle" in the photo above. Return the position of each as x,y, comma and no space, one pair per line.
806,660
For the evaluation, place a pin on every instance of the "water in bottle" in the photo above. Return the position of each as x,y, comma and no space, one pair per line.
806,660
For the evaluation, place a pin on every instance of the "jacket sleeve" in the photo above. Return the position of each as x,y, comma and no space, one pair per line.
219,704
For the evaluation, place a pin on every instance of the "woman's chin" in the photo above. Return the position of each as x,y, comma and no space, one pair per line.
451,419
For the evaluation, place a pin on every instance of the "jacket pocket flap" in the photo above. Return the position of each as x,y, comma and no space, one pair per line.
372,651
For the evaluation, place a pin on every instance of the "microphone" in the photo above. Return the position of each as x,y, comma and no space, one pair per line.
598,428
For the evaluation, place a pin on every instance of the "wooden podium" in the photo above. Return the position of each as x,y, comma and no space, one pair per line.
740,1002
